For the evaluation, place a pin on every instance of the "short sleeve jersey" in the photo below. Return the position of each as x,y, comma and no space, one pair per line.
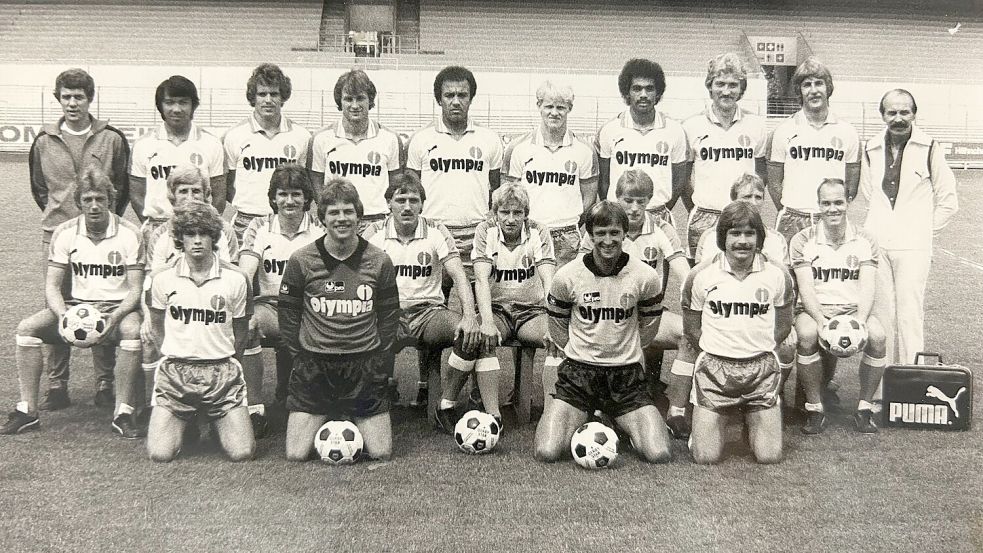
98,267
265,240
604,311
161,250
810,155
154,156
653,151
738,315
340,297
366,163
198,317
419,262
657,242
253,155
454,172
552,177
775,248
720,155
835,267
513,276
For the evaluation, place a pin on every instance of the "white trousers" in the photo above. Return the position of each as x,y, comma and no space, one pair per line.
900,301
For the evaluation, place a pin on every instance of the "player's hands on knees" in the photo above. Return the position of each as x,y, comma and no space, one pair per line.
470,334
254,332
490,336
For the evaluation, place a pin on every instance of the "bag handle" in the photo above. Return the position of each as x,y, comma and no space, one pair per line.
928,355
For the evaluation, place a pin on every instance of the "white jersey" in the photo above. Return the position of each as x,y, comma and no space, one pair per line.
775,248
265,240
154,155
419,262
835,267
720,156
513,277
99,267
253,155
657,243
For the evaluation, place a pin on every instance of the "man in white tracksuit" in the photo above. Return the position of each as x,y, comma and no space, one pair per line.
911,196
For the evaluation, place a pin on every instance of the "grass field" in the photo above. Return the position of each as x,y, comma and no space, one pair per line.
74,486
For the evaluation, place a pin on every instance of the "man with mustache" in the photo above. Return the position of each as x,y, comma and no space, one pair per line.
911,197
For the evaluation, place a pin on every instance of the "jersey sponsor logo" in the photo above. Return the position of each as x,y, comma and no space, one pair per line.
727,309
444,165
260,164
551,177
519,274
833,152
591,297
114,267
928,413
274,266
352,308
334,286
842,274
424,268
716,154
370,169
595,315
161,172
652,159
188,315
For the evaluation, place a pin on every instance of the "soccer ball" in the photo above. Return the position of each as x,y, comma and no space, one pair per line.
477,432
594,446
82,325
338,442
843,336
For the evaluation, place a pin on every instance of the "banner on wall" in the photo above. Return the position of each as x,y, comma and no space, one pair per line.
18,136
774,50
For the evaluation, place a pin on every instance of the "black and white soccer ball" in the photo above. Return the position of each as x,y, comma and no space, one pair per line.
477,432
82,325
338,443
594,446
843,336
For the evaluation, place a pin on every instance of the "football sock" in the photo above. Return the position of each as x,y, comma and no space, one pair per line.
676,411
814,407
447,404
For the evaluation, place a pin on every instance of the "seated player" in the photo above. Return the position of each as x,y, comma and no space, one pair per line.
513,268
737,307
603,306
835,265
421,251
339,314
267,244
104,255
199,310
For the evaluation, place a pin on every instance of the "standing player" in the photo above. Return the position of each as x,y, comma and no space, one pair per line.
911,196
356,148
200,308
261,142
724,140
338,314
835,267
811,145
104,255
421,251
643,138
59,157
267,246
602,307
177,141
513,269
558,169
737,306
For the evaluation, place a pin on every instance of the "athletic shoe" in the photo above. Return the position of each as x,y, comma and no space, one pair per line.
142,419
864,420
18,422
815,423
124,426
422,397
55,399
446,420
261,427
105,398
678,426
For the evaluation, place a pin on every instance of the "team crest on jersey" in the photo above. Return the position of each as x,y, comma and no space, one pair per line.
651,253
836,142
334,286
627,300
364,292
114,257
290,151
852,261
217,302
196,159
570,166
744,140
527,261
424,258
761,295
374,158
662,147
475,152
591,297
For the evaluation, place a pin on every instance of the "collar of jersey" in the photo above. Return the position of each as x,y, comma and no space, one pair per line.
628,122
800,118
712,116
441,128
305,224
523,233
183,270
419,233
592,266
331,262
758,264
256,127
372,132
821,238
111,228
540,140
161,132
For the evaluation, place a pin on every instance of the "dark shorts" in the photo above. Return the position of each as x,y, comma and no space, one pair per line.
791,221
512,316
340,386
208,388
722,383
615,390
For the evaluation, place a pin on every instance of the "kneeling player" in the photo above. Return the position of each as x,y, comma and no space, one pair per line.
106,260
736,307
199,309
835,265
339,312
603,306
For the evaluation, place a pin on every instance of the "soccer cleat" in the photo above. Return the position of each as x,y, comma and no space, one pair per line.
678,426
261,426
446,419
142,419
815,423
55,399
105,398
864,420
422,397
18,422
831,399
124,426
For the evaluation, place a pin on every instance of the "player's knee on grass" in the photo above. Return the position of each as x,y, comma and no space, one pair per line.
164,436
706,439
765,434
648,433
301,428
236,435
377,436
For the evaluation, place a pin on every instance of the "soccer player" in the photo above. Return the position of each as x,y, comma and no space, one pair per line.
748,188
357,148
513,269
258,144
724,140
835,266
267,246
60,155
603,306
737,306
643,138
811,145
104,255
558,169
339,313
421,251
458,162
200,308
911,197
177,141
